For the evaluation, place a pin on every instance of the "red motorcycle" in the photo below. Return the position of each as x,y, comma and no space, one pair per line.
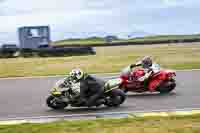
162,81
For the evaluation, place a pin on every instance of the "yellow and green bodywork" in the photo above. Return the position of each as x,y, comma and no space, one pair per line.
112,84
55,92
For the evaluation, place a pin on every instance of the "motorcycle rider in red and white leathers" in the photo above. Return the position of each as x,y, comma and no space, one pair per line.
146,64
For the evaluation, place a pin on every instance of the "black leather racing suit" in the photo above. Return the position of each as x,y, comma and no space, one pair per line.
91,89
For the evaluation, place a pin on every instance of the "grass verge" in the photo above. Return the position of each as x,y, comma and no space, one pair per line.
107,59
183,124
100,41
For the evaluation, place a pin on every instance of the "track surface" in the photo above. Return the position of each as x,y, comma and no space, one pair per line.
26,97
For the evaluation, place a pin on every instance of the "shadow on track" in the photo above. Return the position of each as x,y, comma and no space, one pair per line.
123,107
83,110
151,95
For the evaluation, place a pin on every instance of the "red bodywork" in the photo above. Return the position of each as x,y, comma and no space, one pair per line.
153,82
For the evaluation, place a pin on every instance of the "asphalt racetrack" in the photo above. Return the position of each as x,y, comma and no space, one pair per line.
25,97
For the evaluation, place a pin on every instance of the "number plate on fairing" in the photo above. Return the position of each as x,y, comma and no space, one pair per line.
114,82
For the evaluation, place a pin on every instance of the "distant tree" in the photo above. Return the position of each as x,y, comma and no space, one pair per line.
111,38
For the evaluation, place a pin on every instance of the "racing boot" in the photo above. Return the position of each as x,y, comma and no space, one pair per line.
100,102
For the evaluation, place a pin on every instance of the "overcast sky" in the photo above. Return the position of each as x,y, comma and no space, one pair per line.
73,18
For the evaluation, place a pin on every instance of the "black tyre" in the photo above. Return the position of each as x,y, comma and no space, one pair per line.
167,87
54,104
116,97
125,90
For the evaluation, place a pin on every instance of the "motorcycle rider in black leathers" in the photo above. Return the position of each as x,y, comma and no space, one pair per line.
91,88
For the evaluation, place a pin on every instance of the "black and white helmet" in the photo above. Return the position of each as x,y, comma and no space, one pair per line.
76,74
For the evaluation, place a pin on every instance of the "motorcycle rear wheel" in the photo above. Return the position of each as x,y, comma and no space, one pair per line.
116,97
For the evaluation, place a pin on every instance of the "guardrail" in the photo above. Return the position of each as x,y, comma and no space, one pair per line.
46,52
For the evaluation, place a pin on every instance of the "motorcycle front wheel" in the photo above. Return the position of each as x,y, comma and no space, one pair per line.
53,103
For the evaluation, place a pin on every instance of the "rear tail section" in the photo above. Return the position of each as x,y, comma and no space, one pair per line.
163,81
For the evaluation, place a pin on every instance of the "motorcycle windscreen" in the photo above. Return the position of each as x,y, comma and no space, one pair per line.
156,68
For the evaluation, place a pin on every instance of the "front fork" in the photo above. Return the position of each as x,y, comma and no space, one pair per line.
59,96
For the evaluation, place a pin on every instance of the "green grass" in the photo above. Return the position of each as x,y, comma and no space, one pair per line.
101,41
107,59
79,42
186,124
165,37
86,41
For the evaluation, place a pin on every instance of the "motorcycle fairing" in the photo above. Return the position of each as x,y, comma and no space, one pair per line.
155,79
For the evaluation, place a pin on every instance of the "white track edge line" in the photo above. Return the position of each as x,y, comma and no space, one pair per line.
32,77
97,114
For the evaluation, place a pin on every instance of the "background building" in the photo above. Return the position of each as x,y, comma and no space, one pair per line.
34,37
